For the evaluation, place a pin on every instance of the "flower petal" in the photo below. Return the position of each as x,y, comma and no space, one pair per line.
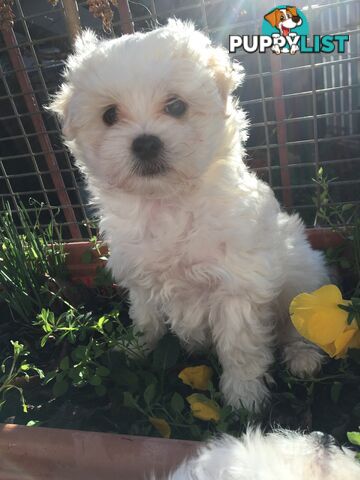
317,315
329,294
329,349
204,409
161,426
326,325
197,377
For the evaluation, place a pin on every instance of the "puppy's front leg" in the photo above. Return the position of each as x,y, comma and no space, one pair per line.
146,317
243,337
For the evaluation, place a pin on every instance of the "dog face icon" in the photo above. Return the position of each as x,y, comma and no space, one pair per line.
284,19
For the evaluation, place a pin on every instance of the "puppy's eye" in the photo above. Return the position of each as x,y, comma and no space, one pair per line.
110,115
175,107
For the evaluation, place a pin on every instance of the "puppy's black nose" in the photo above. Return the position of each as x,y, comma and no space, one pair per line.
147,147
296,18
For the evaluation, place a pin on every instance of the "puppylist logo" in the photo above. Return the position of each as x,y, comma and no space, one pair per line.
285,30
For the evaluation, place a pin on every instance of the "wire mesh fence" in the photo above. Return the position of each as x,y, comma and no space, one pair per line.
304,108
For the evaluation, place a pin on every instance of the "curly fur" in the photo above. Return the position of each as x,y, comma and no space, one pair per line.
282,455
205,248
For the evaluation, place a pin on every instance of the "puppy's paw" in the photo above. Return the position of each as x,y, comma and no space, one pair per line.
276,49
303,359
250,394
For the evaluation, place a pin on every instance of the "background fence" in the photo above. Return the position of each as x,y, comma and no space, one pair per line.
304,108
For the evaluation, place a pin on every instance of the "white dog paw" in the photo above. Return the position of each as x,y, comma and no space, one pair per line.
276,49
303,359
249,394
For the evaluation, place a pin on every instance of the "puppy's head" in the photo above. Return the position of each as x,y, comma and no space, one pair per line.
147,112
284,19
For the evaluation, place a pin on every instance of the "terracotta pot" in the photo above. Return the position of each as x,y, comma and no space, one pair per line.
53,454
83,260
323,238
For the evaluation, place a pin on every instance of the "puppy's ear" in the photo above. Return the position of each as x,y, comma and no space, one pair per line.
272,18
227,74
85,42
64,102
293,11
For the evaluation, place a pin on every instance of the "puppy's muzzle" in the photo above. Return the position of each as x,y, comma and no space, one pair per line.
148,152
147,147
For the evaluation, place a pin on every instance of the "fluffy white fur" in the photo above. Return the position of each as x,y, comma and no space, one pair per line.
205,248
282,455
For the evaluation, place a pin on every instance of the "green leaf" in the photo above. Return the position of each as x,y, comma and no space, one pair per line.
148,377
100,323
60,388
225,412
86,257
167,353
129,400
149,394
100,390
354,438
222,426
48,377
33,423
195,432
75,373
344,263
17,346
38,371
44,339
335,391
60,375
95,380
79,352
177,403
126,378
102,371
65,363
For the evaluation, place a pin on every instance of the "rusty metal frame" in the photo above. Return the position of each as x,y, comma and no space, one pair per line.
39,126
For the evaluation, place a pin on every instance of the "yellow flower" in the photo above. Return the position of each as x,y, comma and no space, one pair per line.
196,377
161,426
318,317
203,408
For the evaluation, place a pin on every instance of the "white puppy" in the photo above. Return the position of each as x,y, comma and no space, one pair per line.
200,242
282,455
